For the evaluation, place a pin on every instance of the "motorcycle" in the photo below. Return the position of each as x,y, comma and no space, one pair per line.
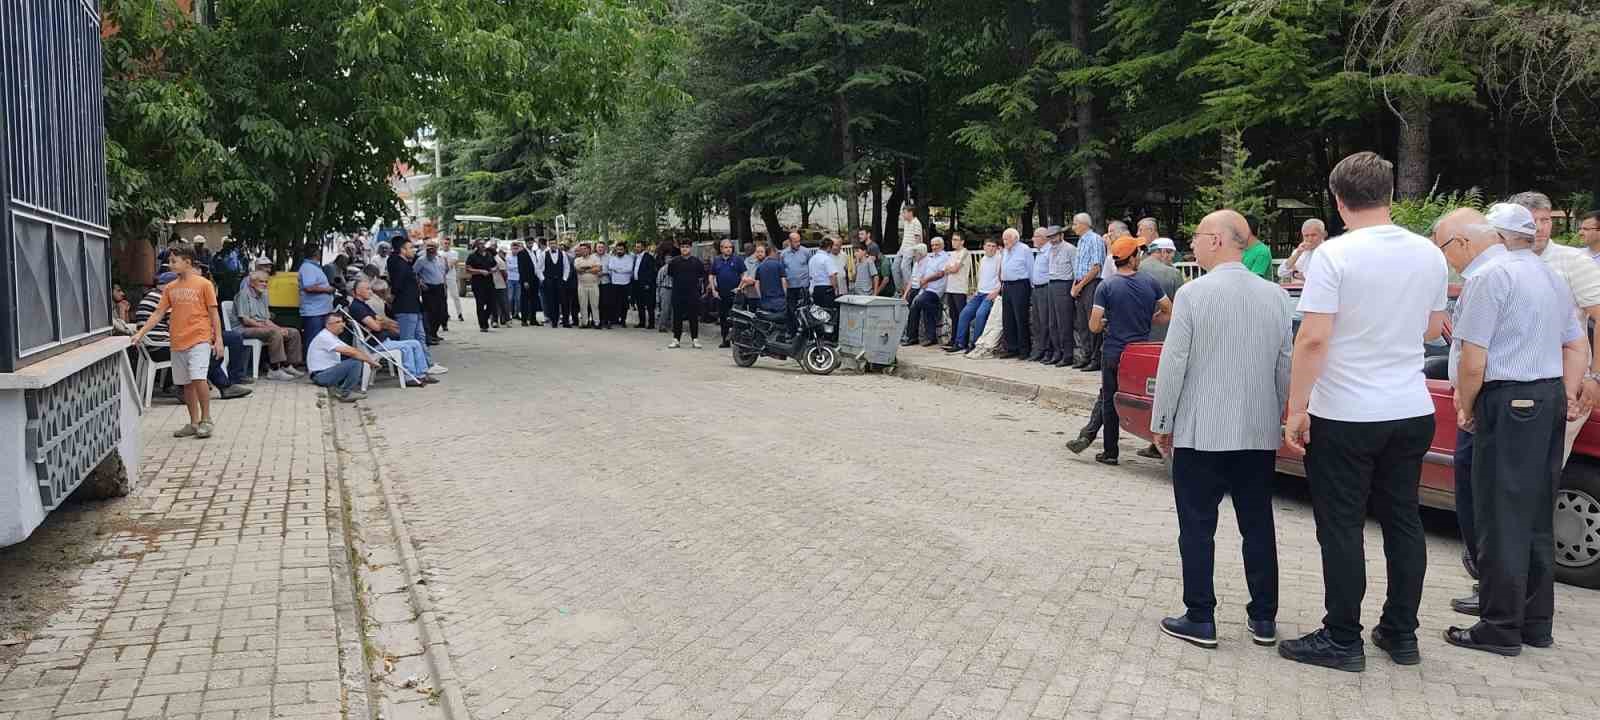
762,333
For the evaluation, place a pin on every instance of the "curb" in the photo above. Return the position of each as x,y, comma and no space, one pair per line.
433,640
1047,396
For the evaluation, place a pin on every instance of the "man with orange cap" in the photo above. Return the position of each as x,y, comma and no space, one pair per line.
1124,308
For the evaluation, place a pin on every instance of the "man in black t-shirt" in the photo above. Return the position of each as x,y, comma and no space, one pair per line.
481,267
407,304
413,354
688,285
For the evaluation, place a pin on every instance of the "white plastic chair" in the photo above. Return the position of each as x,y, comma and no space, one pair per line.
149,369
254,344
393,358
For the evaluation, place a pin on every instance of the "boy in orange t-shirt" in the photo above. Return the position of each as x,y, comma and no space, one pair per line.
196,330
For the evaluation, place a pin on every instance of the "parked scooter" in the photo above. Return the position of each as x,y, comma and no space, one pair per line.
762,333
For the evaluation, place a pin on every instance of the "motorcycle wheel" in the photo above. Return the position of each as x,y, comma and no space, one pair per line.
820,358
744,358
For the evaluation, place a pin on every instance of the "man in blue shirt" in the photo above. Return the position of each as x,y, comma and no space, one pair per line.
925,307
771,283
1016,291
1085,281
1039,317
727,272
316,294
797,272
1124,308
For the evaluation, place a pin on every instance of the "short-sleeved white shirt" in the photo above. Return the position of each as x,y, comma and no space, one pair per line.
323,353
911,234
1381,284
1578,270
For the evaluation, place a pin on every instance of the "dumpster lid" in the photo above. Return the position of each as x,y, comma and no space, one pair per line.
869,300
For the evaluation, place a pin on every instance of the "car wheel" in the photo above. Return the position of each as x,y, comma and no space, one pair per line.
1577,525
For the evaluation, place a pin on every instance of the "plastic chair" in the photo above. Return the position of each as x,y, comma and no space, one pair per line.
254,344
148,370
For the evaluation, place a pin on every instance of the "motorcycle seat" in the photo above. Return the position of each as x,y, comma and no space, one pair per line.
772,314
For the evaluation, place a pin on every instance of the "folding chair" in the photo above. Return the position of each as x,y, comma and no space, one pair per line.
254,344
369,344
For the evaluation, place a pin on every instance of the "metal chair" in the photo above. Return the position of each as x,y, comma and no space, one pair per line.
367,343
255,344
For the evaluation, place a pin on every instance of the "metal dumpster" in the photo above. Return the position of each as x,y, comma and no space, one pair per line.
870,328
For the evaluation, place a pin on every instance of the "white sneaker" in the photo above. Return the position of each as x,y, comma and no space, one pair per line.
292,372
673,344
280,376
438,370
696,344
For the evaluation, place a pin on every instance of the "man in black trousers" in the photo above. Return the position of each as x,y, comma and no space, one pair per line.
1519,355
1221,386
557,268
643,288
1016,290
481,268
529,303
569,290
1360,409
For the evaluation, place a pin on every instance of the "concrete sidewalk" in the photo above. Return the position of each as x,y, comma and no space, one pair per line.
220,597
1051,387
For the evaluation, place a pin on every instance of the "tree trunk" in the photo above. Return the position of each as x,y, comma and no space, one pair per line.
891,214
1093,197
769,217
1025,223
847,156
877,204
806,205
1415,121
1503,150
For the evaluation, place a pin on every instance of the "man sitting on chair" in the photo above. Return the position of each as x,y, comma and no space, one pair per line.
335,365
255,321
383,330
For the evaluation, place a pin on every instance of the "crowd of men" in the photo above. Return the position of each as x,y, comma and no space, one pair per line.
1349,391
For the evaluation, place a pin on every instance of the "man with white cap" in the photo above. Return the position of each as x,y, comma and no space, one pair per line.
1518,358
1157,265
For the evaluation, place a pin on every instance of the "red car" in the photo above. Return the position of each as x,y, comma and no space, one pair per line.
1577,510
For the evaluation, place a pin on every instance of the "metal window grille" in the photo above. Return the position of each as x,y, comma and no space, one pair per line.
55,263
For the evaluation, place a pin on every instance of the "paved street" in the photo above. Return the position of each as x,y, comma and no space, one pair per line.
612,529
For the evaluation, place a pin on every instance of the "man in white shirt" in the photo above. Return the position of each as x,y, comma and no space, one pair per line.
910,237
824,275
1312,233
1360,409
333,364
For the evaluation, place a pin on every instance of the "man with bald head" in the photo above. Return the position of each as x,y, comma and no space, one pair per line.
1220,388
1517,360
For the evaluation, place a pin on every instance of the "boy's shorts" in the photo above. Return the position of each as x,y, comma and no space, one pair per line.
192,364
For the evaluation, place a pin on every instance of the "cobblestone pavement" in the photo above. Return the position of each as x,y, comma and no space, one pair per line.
216,602
611,529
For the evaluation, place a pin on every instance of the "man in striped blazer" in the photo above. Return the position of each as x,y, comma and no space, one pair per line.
1220,391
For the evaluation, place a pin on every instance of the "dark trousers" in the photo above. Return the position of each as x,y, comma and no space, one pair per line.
644,301
551,290
434,310
825,296
797,297
1039,320
954,303
1463,472
726,302
1015,296
610,298
310,325
1517,456
685,306
502,305
1059,296
1104,418
1199,480
1088,343
1352,466
530,301
924,315
569,304
483,295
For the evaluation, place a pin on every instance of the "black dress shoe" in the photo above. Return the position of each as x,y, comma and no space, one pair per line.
1466,605
1104,459
1195,633
908,343
724,344
1035,356
1402,650
1263,632
1091,367
930,343
1150,451
1462,637
1321,650
1540,642
951,349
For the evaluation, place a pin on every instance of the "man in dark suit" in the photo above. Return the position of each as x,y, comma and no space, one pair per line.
569,290
557,270
645,267
530,287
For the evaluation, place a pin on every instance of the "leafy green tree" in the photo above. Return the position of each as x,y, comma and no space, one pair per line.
997,201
